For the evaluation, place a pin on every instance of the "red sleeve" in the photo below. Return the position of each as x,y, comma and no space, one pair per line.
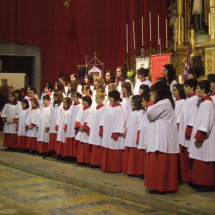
56,127
77,125
188,131
16,120
85,126
200,136
178,126
125,133
101,130
138,136
4,118
65,127
150,103
17,126
33,124
115,136
48,128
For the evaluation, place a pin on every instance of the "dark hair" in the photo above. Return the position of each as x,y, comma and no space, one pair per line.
76,77
15,100
145,88
137,99
211,78
101,86
161,79
171,73
191,83
180,89
35,101
204,85
152,88
47,97
63,79
20,94
123,74
87,87
49,85
146,97
25,101
142,71
163,92
33,89
60,97
60,87
112,76
74,87
90,78
195,72
127,85
115,95
87,99
68,101
77,94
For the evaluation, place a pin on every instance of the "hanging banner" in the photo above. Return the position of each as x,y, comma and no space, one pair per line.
158,61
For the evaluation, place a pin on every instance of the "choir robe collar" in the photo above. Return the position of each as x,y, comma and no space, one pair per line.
77,103
99,106
66,109
32,99
213,94
49,94
11,103
124,97
33,108
28,95
25,109
85,108
89,95
178,99
191,95
143,80
206,98
116,104
47,106
64,85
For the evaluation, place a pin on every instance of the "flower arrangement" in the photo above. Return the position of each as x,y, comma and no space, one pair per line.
131,76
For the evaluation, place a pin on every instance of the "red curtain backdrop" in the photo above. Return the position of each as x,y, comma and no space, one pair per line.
67,35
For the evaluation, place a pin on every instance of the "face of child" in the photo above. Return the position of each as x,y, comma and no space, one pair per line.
75,99
17,95
31,94
99,100
45,102
23,105
46,90
28,90
124,90
188,90
107,77
86,80
98,90
85,91
55,87
95,83
200,92
11,98
72,78
190,76
139,76
84,103
143,103
118,73
165,72
111,99
110,88
65,105
33,105
175,92
141,91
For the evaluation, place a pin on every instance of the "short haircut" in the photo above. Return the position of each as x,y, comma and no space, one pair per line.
115,95
145,88
77,94
204,85
49,85
211,78
35,101
47,97
195,72
33,89
68,101
191,83
137,99
87,99
180,89
146,97
142,71
25,101
101,95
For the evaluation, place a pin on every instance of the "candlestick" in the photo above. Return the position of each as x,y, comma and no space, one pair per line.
126,38
158,32
150,27
166,34
142,33
134,36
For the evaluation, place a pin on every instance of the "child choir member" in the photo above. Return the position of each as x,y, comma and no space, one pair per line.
43,134
111,87
61,134
75,81
21,126
187,120
95,125
121,76
88,80
28,93
142,74
202,147
18,95
54,116
193,73
142,135
131,154
112,141
110,79
84,149
60,87
47,91
86,90
32,94
211,79
32,122
64,82
97,80
126,101
170,75
9,115
143,89
162,147
71,144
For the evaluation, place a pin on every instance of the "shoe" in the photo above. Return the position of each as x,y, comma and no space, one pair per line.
205,189
153,192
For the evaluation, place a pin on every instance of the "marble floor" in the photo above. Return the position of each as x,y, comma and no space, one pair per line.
22,193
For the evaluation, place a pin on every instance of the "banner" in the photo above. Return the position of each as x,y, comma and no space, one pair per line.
158,61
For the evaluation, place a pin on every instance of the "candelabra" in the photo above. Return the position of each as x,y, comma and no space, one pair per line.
150,50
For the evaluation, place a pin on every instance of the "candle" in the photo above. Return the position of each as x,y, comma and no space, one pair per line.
166,35
150,27
142,33
158,32
134,36
180,79
126,38
175,36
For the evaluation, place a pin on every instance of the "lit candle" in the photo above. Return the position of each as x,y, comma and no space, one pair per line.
126,38
150,27
158,32
142,33
166,35
134,36
180,79
175,36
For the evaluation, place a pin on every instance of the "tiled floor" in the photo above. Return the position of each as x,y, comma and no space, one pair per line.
27,194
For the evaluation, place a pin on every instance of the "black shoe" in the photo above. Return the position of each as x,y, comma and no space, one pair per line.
156,192
142,177
205,189
8,149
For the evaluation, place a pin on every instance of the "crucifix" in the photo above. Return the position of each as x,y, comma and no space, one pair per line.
95,57
86,62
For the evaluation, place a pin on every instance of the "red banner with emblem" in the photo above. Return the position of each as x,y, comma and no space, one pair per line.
157,62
